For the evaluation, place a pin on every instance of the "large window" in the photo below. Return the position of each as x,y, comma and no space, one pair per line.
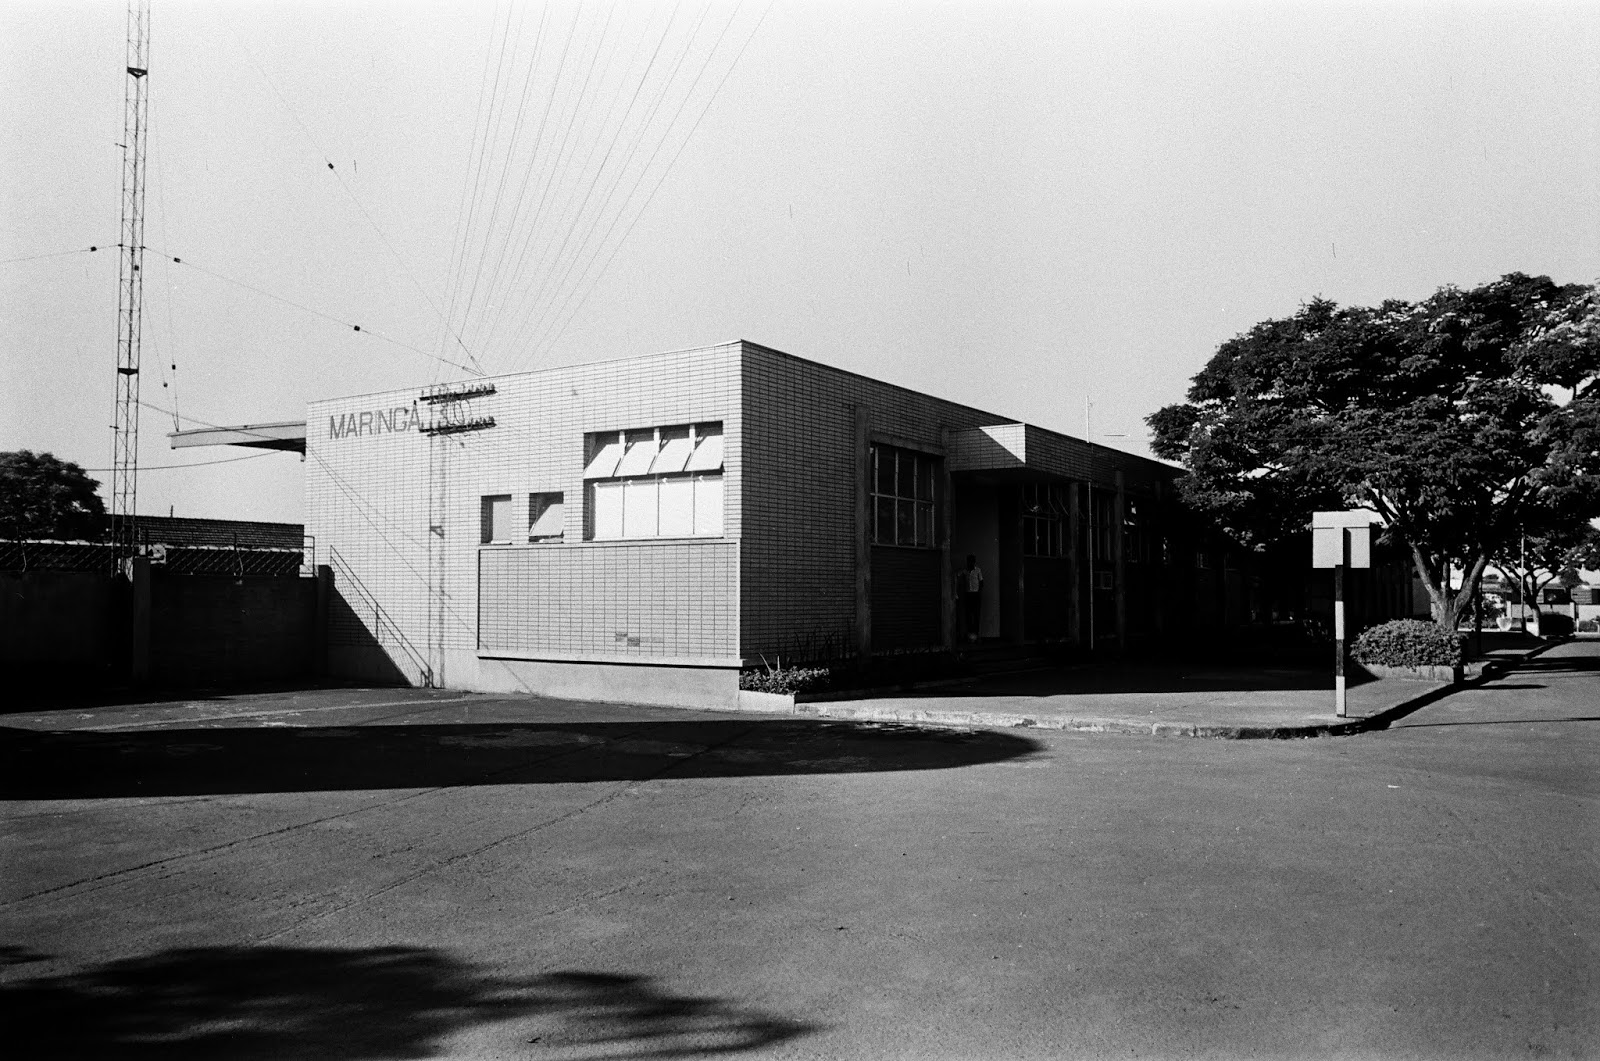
1044,515
654,482
903,497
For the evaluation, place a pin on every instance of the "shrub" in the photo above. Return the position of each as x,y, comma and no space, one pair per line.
1408,643
781,679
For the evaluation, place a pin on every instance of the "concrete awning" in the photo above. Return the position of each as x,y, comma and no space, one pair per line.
1017,450
289,435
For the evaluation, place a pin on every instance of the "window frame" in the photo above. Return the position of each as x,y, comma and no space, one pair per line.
536,514
1044,515
699,461
488,511
903,506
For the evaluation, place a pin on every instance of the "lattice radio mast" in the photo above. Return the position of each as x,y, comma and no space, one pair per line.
130,288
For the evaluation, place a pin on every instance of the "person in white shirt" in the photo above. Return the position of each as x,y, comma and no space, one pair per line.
969,588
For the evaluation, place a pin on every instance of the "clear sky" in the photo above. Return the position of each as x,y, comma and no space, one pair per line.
1017,206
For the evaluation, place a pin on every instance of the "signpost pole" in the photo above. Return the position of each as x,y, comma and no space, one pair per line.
1338,639
1340,540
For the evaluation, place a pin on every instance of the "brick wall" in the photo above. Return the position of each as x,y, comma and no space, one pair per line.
211,630
65,622
800,477
632,600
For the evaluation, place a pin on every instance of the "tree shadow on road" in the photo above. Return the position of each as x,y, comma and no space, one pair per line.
68,764
1542,666
332,1004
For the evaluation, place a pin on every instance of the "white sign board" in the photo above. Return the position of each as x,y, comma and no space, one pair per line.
1342,539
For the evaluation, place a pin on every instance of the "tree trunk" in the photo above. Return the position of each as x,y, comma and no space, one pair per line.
1446,606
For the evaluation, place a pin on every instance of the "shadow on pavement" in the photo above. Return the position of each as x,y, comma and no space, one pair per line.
333,1004
1503,722
66,764
1543,666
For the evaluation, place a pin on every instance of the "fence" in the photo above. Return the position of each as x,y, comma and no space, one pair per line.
231,560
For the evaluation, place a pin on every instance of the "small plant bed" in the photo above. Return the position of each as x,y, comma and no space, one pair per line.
785,680
1410,648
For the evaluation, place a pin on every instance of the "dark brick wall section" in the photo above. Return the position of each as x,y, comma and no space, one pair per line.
798,558
207,629
247,534
59,619
905,598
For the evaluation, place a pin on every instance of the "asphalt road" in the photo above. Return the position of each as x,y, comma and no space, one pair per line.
351,875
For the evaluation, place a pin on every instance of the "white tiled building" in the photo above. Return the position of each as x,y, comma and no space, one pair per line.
640,529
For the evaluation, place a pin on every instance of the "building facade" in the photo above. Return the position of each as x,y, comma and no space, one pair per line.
642,529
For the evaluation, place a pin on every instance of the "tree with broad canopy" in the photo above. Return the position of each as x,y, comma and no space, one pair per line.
42,496
1555,556
1465,420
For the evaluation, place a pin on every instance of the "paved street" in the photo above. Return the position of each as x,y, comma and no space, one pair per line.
353,874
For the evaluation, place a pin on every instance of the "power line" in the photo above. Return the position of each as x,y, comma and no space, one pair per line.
315,312
349,191
52,254
197,464
662,179
622,169
570,223
458,238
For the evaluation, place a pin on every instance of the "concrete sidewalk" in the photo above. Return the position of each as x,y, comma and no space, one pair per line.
1221,702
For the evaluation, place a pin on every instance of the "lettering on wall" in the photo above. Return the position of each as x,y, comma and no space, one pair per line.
374,422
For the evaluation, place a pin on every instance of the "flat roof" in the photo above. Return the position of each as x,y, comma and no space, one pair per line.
288,435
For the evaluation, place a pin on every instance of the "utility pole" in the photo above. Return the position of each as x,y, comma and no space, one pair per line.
130,288
1088,436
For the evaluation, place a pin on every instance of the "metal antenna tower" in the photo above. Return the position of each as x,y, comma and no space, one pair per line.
130,288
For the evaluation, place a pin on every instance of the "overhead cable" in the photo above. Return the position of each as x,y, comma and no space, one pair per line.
52,254
314,312
660,180
349,191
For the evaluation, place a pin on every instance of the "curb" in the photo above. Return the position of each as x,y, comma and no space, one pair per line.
1491,669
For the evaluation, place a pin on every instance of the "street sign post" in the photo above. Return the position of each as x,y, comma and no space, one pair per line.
1340,540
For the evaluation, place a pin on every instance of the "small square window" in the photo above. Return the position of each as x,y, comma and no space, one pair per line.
641,453
605,452
676,445
708,449
495,520
546,518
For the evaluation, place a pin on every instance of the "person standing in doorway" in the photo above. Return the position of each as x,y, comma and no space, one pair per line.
969,587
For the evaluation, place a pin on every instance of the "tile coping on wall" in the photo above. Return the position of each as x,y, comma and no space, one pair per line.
716,662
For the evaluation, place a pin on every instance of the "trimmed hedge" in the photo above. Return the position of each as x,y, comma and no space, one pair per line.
784,679
1408,643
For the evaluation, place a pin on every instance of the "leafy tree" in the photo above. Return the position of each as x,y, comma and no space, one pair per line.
1552,557
1464,420
42,496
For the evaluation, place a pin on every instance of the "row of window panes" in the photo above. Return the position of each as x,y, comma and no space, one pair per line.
543,519
671,506
902,496
653,451
1044,514
654,482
